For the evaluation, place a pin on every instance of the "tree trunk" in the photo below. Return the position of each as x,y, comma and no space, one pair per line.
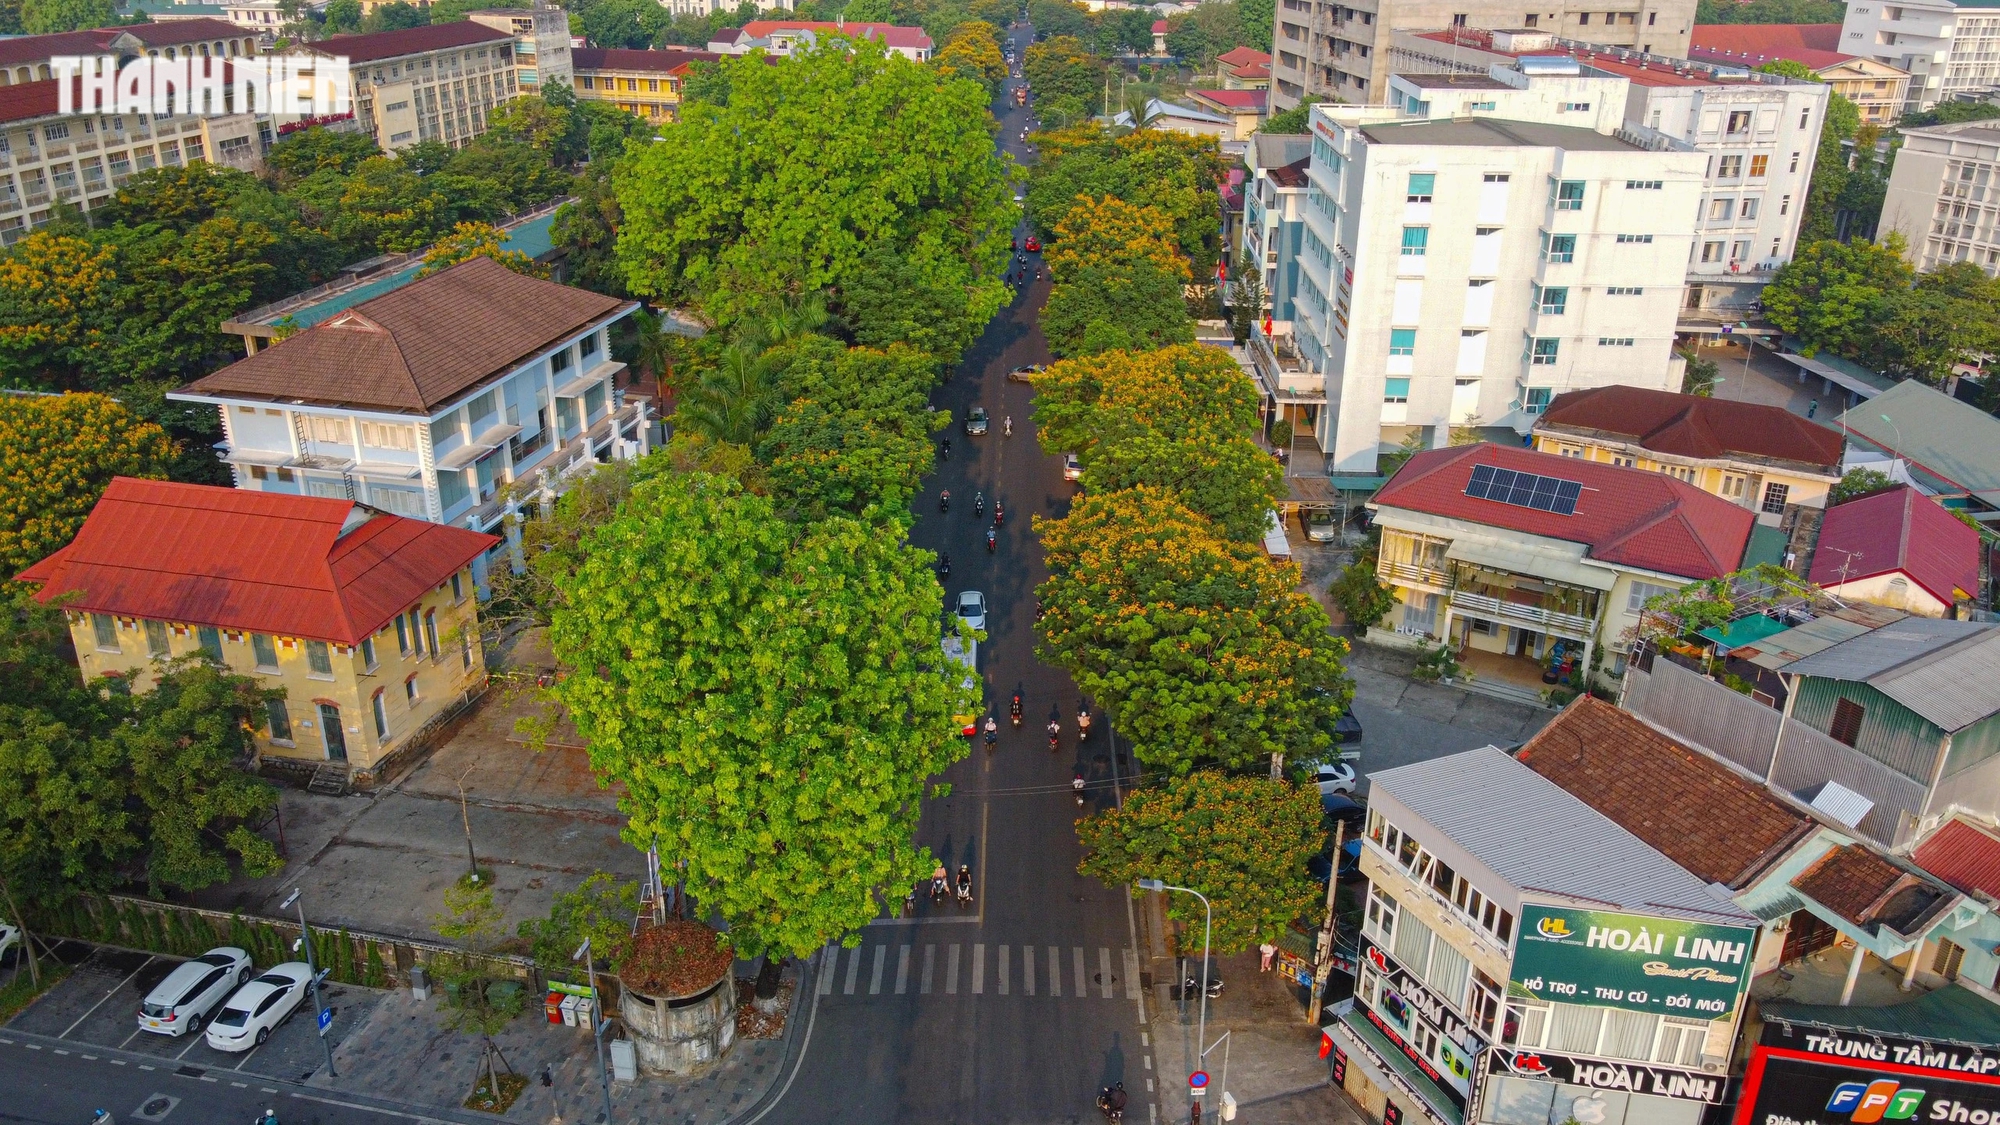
767,983
27,938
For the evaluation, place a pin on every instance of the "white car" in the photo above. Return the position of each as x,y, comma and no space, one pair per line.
972,609
1334,777
10,940
1072,467
181,1003
259,1007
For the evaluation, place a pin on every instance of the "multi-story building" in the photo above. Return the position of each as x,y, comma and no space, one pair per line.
25,58
435,83
1946,47
642,83
1482,248
364,620
1274,219
710,7
1877,89
1523,957
1338,50
1542,563
432,399
1944,195
541,42
1760,130
782,37
1243,68
1765,458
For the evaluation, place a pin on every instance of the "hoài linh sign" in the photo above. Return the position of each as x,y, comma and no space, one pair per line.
1677,968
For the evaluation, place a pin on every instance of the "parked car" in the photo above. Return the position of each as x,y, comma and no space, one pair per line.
1346,810
972,609
1346,729
1026,374
1072,467
10,941
182,1002
256,1009
1321,527
975,421
1353,819
1334,777
1350,861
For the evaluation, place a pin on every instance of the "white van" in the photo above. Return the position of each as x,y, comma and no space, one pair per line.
965,651
1275,543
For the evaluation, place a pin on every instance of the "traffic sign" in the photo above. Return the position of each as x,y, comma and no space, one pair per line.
325,1019
1198,1083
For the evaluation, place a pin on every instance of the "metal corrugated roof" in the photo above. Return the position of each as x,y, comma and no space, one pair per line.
1537,836
1781,649
1949,438
1946,671
1878,650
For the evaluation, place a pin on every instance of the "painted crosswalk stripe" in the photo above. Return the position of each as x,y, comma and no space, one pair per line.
978,968
1082,989
1027,970
1055,971
1131,974
951,972
1104,971
853,972
875,977
930,962
828,965
902,970
1004,951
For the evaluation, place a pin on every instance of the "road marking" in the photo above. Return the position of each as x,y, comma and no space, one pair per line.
829,963
902,970
978,968
951,972
241,1085
1005,951
366,1108
1145,1040
116,1062
930,962
60,1051
1104,971
106,996
1055,971
1082,989
143,1066
1149,1062
1131,974
875,977
206,1078
853,972
32,1046
1027,970
92,1058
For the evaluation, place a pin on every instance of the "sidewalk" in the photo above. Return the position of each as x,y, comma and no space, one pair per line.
404,1051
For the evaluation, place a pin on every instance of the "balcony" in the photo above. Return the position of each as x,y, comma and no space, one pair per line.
1516,613
1408,574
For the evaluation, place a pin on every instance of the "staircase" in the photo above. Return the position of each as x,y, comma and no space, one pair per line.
329,778
1498,690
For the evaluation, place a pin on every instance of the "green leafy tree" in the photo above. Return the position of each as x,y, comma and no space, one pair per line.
396,16
1821,218
1698,375
1857,483
1791,68
45,17
343,17
855,435
601,909
1951,113
477,240
1833,295
1200,647
771,699
586,231
973,51
1150,168
1063,67
300,154
1769,11
1105,308
57,455
1241,841
1362,599
813,164
1946,319
1297,119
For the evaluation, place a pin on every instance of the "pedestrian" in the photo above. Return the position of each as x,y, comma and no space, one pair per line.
1813,408
1791,559
1269,951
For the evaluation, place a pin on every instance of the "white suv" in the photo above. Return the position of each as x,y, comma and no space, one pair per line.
181,1003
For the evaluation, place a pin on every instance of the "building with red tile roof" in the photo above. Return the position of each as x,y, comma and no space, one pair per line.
1897,548
25,58
1964,853
1876,87
643,83
782,37
1243,68
365,619
1244,107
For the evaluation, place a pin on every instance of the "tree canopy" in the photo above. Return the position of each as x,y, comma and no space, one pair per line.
1863,301
58,453
1173,172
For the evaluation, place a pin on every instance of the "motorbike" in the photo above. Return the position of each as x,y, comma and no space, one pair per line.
1192,985
965,886
992,732
992,541
940,886
944,500
1082,725
1007,428
1055,736
944,566
944,449
1076,786
999,516
1014,709
1111,1102
979,505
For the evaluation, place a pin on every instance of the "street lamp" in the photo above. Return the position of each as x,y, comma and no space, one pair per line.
312,977
1207,929
597,1020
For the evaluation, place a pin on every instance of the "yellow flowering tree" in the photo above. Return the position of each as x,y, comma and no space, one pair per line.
477,240
1109,231
57,454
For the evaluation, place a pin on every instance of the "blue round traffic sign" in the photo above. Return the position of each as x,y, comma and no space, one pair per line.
1198,1080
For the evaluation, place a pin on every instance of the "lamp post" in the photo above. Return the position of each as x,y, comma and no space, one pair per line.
1207,929
597,1020
312,977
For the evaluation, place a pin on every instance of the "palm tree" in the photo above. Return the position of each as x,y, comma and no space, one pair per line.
794,317
734,401
654,348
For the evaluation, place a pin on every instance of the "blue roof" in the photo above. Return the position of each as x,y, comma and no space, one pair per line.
533,238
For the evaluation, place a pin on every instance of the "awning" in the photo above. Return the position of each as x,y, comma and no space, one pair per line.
387,469
1515,559
1855,378
579,386
1744,631
254,457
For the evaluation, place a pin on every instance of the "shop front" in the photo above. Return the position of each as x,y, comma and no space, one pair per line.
1814,1074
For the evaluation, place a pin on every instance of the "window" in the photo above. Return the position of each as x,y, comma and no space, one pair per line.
1421,186
1731,169
1569,195
1644,185
1525,1024
1639,593
1636,239
280,720
1760,166
588,345
410,693
1558,247
319,659
368,653
1449,972
1805,115
1412,946
431,631
1544,351
1554,300
1739,122
1496,177
1624,291
560,361
265,651
1720,210
55,132
1949,958
1402,341
1681,1042
465,650
1583,19
384,436
1396,390
457,589
1574,1029
106,628
1380,919
156,639
321,428
1774,497
1732,485
1575,107
1615,341
1534,400
1415,241
1749,208
1795,163
211,642
1711,251
402,635
1846,725
1629,1035
381,709
416,637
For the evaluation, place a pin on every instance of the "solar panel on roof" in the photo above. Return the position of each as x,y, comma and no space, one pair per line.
1524,490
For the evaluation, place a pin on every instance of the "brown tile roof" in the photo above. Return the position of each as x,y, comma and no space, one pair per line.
408,41
620,58
1720,827
416,348
19,49
1851,881
1692,426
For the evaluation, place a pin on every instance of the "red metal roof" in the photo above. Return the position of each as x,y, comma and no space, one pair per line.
1752,44
1629,517
1159,27
1242,56
408,41
262,562
1693,426
1965,855
1238,100
1898,531
889,34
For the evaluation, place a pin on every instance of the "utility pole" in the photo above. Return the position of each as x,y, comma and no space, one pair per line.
312,977
1323,948
466,819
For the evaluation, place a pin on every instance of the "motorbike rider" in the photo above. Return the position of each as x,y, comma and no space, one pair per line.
1007,426
944,447
940,882
1076,786
992,731
944,500
1014,709
1055,733
1082,722
1111,1101
964,883
978,504
992,541
944,566
999,515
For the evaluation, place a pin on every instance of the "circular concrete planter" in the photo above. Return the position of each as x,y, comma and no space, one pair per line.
682,1027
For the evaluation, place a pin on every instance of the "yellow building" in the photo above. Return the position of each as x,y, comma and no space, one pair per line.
367,621
1764,458
1877,89
643,83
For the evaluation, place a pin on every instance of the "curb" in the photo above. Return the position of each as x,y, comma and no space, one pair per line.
795,1046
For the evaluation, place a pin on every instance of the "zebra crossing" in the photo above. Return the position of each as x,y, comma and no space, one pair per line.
979,969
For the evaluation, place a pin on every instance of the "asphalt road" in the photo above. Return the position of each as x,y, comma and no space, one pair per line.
1019,1008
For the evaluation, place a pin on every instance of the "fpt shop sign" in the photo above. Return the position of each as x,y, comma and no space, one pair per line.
1580,956
1783,1089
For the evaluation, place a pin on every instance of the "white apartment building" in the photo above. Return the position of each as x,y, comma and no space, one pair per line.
435,83
1465,266
1339,49
1949,47
1761,132
541,42
1944,195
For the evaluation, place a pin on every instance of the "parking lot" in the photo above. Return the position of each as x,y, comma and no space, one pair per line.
98,1006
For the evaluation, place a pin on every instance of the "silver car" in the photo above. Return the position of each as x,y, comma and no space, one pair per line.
972,609
181,1003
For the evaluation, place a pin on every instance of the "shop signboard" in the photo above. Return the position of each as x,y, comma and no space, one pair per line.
1784,1087
1609,1074
1642,963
